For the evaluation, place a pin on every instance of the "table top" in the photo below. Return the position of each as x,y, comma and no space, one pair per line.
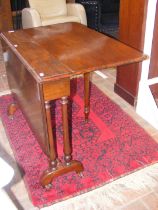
67,49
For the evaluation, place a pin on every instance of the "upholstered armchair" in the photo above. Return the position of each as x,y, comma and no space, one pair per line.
102,15
48,12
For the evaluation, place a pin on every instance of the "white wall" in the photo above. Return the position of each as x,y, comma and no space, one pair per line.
146,106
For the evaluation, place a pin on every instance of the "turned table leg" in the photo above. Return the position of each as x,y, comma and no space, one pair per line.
86,95
69,165
47,176
52,150
67,145
56,168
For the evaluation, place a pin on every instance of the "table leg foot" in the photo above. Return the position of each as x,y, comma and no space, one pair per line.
80,174
11,110
50,174
48,187
86,114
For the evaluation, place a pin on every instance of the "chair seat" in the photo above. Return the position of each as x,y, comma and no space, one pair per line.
61,19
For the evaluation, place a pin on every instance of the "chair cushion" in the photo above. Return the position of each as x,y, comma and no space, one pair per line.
61,19
49,8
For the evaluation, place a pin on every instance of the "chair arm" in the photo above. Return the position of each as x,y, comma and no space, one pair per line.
74,9
30,18
93,12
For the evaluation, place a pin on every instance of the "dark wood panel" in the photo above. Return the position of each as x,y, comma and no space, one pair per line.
153,69
27,92
132,31
5,21
5,15
60,88
128,77
132,22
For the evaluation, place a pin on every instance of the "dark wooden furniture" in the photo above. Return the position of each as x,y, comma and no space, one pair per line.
41,62
132,32
102,15
153,68
5,15
5,25
16,7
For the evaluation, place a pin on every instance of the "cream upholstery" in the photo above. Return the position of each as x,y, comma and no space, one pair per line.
61,19
49,8
77,10
47,12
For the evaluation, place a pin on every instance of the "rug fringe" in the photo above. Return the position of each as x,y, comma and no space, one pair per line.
114,192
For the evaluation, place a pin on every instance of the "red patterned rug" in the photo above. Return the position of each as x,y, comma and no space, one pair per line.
110,145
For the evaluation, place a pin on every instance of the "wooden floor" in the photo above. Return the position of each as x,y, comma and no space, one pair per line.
135,198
